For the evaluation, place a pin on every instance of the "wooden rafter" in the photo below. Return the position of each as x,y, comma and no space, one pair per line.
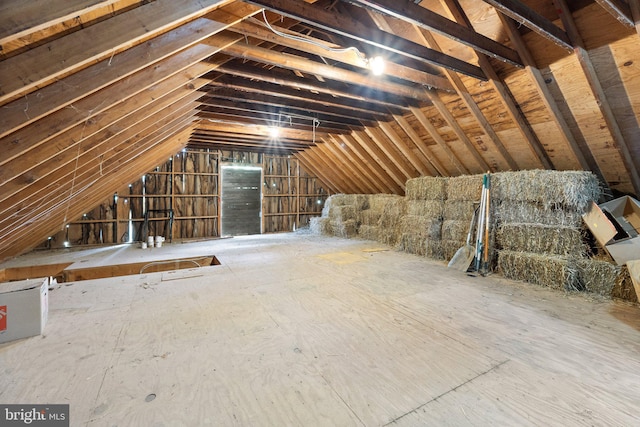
620,10
373,183
423,167
338,24
413,135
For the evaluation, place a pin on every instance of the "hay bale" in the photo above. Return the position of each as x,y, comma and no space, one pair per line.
370,217
413,244
508,211
552,271
599,277
623,288
368,232
377,202
346,229
316,224
426,188
450,247
542,239
427,208
465,188
461,210
433,249
342,213
359,201
455,231
567,189
421,226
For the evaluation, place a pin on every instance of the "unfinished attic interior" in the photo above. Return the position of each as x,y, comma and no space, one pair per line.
344,212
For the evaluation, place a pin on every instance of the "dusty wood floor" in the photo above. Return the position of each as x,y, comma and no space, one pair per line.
302,330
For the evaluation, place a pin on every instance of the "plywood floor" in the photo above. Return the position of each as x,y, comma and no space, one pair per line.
302,330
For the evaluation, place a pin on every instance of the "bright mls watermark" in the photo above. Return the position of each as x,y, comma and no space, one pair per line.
34,415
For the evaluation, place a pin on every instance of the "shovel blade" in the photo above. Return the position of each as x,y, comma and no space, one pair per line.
462,258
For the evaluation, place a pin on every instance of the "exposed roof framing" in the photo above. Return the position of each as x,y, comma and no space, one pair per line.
94,93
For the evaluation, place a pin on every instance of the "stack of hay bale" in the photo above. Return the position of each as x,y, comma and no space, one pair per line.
341,215
463,196
540,234
420,229
380,205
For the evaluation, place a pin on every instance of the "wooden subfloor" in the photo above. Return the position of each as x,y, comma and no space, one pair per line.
302,330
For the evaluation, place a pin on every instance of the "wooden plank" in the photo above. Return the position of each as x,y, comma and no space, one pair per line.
349,164
54,124
374,184
462,136
301,64
336,23
312,167
391,153
431,129
95,43
619,10
10,274
582,152
635,14
380,157
25,235
532,20
383,175
599,94
413,135
345,184
425,18
425,169
63,92
337,159
348,57
634,272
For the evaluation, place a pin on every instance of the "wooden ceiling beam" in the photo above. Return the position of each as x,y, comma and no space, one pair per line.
599,94
382,175
222,115
309,105
506,98
421,145
323,99
329,87
381,158
134,163
349,57
424,168
36,173
460,133
533,20
70,89
373,183
258,130
95,43
300,64
64,203
431,129
343,25
311,165
326,150
582,151
58,122
327,162
620,10
413,13
392,152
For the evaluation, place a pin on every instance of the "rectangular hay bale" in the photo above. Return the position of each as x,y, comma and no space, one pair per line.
551,271
542,239
426,188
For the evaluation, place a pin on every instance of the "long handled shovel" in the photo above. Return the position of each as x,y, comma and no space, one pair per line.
463,257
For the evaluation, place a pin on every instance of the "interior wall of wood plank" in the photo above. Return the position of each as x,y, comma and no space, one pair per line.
188,184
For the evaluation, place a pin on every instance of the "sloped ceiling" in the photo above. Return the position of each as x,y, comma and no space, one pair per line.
96,93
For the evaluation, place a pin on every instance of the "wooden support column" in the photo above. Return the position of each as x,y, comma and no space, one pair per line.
382,175
431,129
413,135
598,93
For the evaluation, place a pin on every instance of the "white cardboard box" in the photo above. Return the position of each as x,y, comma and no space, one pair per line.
24,307
616,226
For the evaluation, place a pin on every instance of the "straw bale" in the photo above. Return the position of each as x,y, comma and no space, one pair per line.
455,230
570,189
623,288
450,247
413,244
347,229
377,202
316,224
421,226
427,208
598,277
461,210
368,232
359,201
552,271
508,211
434,249
342,213
542,239
370,217
390,220
465,188
426,188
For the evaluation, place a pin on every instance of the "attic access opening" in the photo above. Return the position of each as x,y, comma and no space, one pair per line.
64,274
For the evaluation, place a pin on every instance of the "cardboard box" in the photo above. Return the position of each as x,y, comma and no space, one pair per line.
24,307
616,226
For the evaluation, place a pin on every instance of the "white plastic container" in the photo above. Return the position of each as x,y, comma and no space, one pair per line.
159,240
150,241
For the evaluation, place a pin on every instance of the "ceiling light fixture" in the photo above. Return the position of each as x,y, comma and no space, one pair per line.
274,131
377,65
